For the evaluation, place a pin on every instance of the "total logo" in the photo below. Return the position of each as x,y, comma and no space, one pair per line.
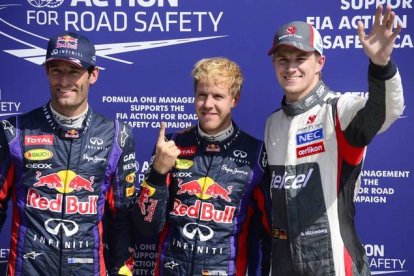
204,188
64,182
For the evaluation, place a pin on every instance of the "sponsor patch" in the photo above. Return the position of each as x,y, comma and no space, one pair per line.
280,234
310,149
38,154
36,140
188,151
130,191
183,164
307,137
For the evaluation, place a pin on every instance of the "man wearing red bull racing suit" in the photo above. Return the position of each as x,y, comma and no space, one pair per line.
215,178
316,145
64,166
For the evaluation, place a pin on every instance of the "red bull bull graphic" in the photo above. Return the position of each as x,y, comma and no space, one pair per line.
204,188
64,182
144,197
204,211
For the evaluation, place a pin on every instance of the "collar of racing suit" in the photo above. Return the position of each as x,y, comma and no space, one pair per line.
313,98
221,136
216,146
66,132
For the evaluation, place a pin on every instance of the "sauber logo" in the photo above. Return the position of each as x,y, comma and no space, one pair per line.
36,140
38,154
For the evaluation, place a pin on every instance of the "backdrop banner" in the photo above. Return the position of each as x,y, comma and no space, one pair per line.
146,50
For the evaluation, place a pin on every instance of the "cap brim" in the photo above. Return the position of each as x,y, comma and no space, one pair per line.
79,64
293,45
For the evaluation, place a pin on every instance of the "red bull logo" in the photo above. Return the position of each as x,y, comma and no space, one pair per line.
64,182
72,203
146,192
67,42
204,211
204,188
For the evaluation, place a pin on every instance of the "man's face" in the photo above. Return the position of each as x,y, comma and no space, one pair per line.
297,71
213,104
69,87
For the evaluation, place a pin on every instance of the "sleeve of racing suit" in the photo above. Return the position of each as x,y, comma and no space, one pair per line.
6,175
362,119
120,235
149,211
262,209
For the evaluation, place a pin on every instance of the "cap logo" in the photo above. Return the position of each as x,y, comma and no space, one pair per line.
67,42
291,30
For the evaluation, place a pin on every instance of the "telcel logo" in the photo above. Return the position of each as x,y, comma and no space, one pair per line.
290,181
38,154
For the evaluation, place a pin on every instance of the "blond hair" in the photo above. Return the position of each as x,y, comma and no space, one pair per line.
219,69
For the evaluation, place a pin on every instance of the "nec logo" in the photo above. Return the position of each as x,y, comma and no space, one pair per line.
310,136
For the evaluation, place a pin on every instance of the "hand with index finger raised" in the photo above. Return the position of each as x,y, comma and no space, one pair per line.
166,152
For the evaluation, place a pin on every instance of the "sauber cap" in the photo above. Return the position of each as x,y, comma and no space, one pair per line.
73,48
300,35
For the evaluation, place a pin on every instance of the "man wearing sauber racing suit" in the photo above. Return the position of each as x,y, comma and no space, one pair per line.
63,165
215,173
316,145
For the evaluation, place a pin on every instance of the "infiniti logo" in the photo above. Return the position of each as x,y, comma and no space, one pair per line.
240,153
203,232
96,141
69,226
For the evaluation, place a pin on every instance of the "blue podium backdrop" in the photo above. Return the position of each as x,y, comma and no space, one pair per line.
147,48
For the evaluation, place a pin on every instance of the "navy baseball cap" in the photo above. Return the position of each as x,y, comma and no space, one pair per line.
300,35
73,48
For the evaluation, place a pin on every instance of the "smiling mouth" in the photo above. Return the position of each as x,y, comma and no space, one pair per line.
291,78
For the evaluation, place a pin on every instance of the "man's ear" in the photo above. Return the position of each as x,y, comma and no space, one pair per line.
94,75
236,100
320,63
